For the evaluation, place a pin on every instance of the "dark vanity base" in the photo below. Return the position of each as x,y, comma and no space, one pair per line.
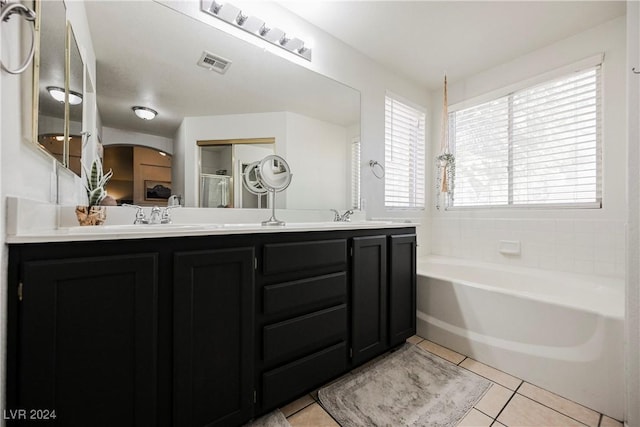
196,331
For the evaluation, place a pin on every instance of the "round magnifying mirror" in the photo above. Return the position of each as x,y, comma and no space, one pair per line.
250,179
273,173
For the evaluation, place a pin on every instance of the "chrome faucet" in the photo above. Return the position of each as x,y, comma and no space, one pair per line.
345,217
157,215
166,214
155,218
140,216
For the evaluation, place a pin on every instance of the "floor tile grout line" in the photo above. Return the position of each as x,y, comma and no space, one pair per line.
494,381
328,413
446,348
465,358
437,355
304,407
555,410
482,412
509,400
600,420
565,398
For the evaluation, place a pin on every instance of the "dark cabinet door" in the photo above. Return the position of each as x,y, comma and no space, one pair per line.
402,288
213,337
369,298
88,340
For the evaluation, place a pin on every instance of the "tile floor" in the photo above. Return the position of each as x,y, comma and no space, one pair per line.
509,402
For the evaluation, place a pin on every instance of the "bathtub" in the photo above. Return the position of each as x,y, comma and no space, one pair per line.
560,331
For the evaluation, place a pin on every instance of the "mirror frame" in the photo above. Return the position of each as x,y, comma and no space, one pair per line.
71,46
69,37
35,84
67,72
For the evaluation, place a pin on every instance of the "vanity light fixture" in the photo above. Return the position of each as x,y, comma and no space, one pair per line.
145,113
256,26
57,93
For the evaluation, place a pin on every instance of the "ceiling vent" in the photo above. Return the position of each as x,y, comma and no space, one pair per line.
213,62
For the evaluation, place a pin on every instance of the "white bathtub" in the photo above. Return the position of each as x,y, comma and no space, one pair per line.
562,332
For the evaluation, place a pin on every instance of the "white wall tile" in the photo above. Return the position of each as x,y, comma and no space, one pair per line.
584,239
581,246
604,268
584,253
584,267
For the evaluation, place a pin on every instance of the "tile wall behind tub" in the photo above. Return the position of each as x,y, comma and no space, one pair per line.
579,246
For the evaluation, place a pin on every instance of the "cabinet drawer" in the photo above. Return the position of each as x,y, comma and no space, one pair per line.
305,294
287,382
305,334
289,257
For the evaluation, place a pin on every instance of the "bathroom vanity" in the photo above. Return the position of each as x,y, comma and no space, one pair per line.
194,330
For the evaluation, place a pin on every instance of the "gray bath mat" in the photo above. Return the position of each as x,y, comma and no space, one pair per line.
407,388
272,419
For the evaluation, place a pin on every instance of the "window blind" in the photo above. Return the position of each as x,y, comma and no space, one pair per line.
404,155
537,146
355,173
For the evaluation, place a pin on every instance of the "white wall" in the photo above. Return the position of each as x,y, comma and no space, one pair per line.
632,350
578,240
319,181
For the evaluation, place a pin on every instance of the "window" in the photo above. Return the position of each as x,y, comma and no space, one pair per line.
355,173
404,155
535,146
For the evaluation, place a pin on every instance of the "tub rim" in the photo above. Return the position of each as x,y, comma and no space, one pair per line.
613,286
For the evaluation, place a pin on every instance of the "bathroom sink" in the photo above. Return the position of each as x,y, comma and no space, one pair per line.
137,228
337,224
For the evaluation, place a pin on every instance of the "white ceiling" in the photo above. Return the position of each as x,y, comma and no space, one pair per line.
422,40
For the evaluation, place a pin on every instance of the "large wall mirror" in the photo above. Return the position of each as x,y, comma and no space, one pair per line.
59,85
311,118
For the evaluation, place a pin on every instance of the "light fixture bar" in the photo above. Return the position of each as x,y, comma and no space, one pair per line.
255,26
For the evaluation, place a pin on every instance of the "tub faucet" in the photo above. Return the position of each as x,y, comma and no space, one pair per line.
345,217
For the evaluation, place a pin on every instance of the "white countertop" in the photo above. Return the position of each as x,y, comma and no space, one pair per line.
118,232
